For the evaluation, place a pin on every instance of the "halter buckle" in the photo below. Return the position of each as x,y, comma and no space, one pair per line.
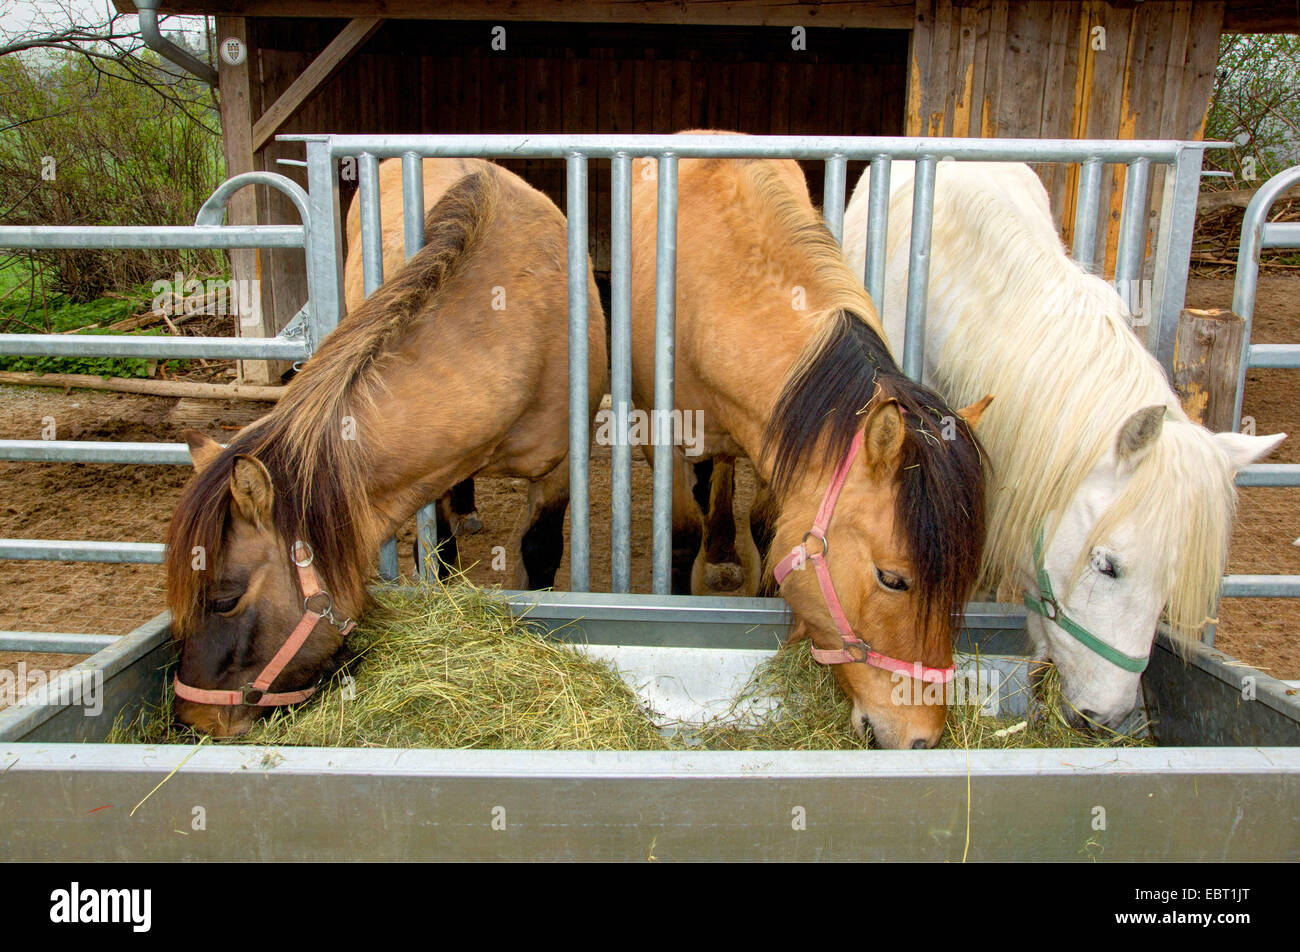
249,695
820,536
326,612
293,554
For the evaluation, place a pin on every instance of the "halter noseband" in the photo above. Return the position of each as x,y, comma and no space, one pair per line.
1046,604
853,650
255,693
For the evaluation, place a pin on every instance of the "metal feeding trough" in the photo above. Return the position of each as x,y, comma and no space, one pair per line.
1223,785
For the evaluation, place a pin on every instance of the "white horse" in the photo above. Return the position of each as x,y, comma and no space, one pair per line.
1108,507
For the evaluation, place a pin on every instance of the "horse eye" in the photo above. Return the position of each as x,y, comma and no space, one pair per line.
895,583
1105,565
223,606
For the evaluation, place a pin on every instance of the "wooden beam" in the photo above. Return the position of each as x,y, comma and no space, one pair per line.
156,388
876,14
340,50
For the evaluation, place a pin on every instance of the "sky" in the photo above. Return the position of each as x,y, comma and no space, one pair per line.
20,16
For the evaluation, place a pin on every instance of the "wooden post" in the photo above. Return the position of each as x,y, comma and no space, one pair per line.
237,141
1207,355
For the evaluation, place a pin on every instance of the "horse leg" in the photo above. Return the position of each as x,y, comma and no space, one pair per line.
688,519
718,569
464,516
539,533
446,552
762,527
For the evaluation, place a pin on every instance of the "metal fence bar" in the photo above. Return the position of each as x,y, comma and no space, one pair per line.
1285,356
426,518
372,272
56,550
1173,253
877,230
324,258
579,411
1085,213
853,148
1269,474
1132,235
55,642
78,451
620,373
833,195
665,373
918,267
1260,586
152,236
1280,234
1243,293
126,345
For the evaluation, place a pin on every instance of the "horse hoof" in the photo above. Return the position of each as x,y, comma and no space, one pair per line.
470,525
723,576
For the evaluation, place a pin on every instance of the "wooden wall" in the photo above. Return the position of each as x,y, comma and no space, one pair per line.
444,77
1013,68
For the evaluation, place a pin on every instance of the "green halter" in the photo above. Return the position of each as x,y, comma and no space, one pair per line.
1047,606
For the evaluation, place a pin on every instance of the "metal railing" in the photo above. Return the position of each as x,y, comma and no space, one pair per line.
1258,233
320,234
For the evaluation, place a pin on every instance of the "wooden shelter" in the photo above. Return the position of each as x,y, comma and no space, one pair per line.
1081,69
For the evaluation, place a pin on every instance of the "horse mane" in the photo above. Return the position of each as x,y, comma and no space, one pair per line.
316,452
845,369
1058,322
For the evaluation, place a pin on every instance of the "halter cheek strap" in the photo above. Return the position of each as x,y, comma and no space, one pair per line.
1047,605
255,693
853,649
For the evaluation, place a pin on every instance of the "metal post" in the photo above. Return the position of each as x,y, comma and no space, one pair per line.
372,270
1085,214
620,387
325,249
579,411
426,519
877,230
1174,253
833,195
918,268
1132,238
665,358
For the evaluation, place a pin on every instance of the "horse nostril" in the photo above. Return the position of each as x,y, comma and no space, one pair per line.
920,744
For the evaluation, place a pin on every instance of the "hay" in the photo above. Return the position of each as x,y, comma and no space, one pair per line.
813,714
449,667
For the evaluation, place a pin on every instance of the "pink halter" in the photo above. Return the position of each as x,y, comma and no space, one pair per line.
254,694
854,649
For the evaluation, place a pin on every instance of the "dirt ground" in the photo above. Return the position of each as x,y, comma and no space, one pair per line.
134,503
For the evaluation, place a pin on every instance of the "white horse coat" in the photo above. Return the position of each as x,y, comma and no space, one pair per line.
1087,441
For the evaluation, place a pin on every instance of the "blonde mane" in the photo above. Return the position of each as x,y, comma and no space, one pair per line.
1066,371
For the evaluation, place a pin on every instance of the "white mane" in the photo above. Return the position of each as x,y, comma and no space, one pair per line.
1053,345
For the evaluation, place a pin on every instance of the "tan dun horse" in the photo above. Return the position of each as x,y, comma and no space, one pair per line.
779,350
456,366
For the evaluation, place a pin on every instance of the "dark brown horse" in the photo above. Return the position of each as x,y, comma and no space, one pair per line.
456,366
779,350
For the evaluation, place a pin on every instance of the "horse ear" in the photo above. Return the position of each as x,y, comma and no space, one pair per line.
975,411
1138,435
883,441
203,449
252,490
1244,449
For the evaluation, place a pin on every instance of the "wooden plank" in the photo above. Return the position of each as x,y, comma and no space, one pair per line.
935,84
963,76
343,46
780,113
996,56
918,67
662,119
237,147
979,69
755,108
876,14
681,102
1052,124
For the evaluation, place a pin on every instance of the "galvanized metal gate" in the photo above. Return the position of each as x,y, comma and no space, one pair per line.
320,235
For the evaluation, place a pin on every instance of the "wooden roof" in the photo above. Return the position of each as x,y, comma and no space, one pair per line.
1240,16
